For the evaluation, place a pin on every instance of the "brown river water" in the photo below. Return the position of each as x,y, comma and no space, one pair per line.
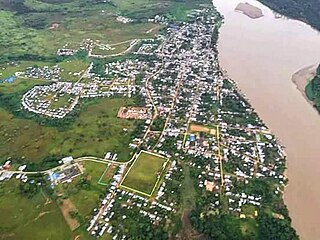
261,55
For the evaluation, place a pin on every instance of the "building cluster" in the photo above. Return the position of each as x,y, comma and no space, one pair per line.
55,100
147,49
198,116
65,174
7,174
46,72
119,207
60,98
188,87
124,19
66,52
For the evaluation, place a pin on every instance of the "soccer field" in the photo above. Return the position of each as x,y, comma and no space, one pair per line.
144,175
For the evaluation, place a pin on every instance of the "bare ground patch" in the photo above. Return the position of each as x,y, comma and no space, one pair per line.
200,128
66,207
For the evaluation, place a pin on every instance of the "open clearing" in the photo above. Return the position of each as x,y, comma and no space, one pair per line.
29,218
144,174
67,207
201,128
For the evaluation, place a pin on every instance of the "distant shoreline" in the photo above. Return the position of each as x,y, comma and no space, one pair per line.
301,79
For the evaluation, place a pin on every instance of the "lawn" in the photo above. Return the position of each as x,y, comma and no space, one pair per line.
143,175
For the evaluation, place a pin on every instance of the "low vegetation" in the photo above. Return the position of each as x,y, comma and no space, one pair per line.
313,90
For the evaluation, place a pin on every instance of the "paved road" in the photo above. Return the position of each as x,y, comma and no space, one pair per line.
81,159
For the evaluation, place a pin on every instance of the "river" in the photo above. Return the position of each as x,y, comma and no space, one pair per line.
261,55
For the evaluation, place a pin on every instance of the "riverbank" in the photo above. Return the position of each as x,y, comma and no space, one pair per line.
301,79
261,55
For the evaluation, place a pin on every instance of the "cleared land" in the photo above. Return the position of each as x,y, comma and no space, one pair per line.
39,217
67,207
113,49
71,71
133,113
84,194
202,128
143,176
107,175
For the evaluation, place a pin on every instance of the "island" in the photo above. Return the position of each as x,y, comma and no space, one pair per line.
249,10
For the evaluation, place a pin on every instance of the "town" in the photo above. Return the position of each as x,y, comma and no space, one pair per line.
195,118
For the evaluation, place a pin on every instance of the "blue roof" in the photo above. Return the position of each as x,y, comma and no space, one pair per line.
192,137
8,80
55,176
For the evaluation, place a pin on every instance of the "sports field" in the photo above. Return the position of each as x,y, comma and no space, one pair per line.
202,128
144,175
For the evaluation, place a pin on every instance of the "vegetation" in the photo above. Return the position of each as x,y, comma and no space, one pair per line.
313,90
158,124
28,31
33,216
307,11
31,209
87,131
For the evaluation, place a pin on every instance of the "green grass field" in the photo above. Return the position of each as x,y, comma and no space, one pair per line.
39,217
62,101
142,177
71,71
95,130
24,218
26,31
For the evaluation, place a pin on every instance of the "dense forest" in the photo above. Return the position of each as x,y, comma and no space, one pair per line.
313,90
305,10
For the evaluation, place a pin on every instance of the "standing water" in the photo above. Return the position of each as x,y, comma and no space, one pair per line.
261,55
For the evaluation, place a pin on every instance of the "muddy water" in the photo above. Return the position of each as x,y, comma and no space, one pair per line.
261,55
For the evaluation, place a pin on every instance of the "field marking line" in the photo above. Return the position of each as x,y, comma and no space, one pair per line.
102,175
158,180
152,153
135,190
156,183
122,180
